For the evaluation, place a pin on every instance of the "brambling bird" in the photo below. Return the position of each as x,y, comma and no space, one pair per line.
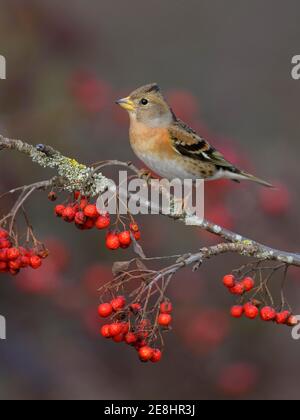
168,146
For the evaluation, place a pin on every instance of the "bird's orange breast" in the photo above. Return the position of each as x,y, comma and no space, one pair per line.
151,141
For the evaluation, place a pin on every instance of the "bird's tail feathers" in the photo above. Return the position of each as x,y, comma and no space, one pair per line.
246,176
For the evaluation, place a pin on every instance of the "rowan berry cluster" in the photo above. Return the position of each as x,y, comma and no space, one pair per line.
253,307
13,258
132,328
86,216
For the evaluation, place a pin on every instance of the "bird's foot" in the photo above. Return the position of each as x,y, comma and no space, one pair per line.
145,174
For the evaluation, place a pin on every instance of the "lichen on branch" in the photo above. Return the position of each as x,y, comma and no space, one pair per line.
73,175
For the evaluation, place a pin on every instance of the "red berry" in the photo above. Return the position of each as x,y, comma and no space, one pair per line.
102,222
77,195
25,261
125,328
248,284
105,331
83,203
238,289
130,338
35,262
105,310
251,311
156,356
139,344
4,243
76,207
282,317
267,313
91,211
166,307
135,307
3,254
80,218
134,227
164,320
292,321
137,235
52,196
89,224
118,303
3,234
125,238
116,329
237,311
229,281
112,241
3,266
145,353
69,214
59,209
15,264
118,338
13,253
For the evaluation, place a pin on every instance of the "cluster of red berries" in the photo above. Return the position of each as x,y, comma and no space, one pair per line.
15,258
116,240
86,216
238,287
253,309
129,327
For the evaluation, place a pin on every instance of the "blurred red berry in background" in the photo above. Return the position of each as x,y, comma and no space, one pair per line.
90,92
46,280
203,331
94,277
237,379
275,202
58,252
184,104
220,215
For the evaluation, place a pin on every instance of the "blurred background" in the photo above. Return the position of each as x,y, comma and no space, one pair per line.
226,69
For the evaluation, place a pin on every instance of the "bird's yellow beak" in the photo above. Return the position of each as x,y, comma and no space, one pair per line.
126,103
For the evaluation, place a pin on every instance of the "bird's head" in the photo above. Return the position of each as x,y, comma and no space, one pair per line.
148,106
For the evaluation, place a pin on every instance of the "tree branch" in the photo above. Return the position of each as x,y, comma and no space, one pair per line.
73,176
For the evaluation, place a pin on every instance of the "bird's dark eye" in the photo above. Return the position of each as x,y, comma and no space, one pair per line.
144,101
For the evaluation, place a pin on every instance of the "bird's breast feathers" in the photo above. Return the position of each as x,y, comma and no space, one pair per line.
155,148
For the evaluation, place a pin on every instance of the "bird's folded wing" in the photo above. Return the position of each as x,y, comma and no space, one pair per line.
186,142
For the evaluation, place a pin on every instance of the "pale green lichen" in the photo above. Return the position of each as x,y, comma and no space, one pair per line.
75,176
247,242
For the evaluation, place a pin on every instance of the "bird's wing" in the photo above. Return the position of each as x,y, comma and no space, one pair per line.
186,142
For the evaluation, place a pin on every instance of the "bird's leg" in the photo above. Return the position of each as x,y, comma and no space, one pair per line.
145,174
